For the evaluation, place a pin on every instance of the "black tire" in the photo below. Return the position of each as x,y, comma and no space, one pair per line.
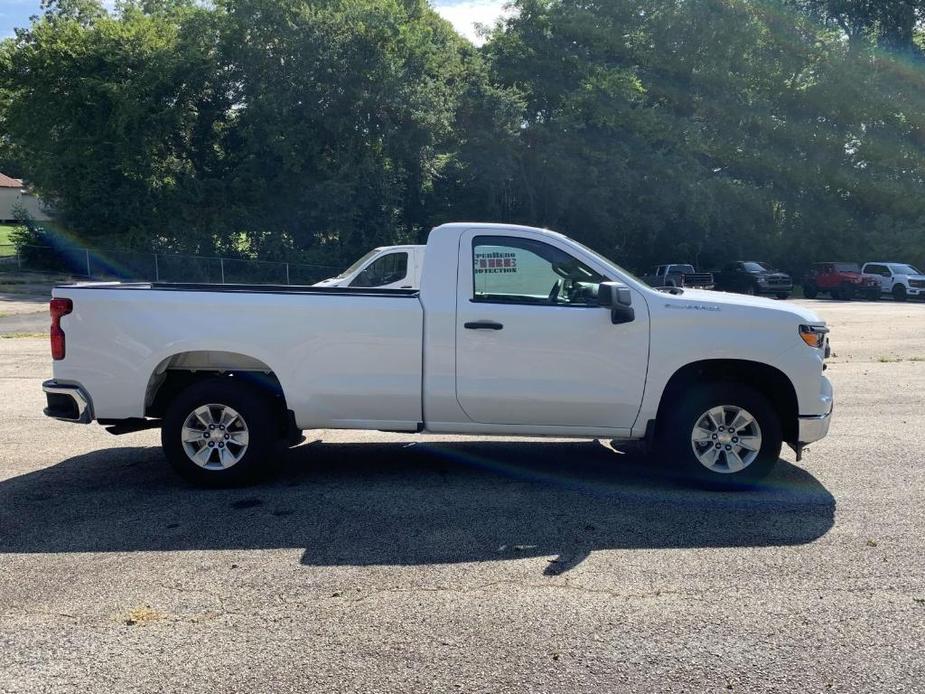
783,296
899,293
750,290
810,291
836,294
872,295
258,414
847,293
674,435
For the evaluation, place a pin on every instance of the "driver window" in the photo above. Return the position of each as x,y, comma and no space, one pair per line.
524,271
388,269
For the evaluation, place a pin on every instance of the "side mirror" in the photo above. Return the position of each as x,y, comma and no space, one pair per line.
619,299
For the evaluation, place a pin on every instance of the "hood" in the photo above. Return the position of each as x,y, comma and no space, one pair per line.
706,298
771,273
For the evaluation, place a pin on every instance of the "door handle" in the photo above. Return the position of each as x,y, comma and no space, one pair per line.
484,325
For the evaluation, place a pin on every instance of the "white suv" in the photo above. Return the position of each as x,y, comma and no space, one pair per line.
899,279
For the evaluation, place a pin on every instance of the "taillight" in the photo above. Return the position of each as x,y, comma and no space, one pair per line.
58,308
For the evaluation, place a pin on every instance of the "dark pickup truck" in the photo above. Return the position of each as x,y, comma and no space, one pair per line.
678,275
753,277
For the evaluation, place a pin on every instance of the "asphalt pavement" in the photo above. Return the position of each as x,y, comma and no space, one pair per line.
385,563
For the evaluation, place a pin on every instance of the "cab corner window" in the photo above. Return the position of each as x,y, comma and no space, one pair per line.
524,271
388,269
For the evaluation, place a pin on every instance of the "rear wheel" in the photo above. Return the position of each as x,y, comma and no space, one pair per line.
219,432
722,435
899,293
810,291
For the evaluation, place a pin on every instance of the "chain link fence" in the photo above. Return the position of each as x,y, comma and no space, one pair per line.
103,265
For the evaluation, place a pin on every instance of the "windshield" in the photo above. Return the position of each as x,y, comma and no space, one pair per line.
357,265
607,262
904,270
847,267
756,267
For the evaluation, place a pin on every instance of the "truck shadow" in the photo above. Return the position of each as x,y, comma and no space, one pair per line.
405,504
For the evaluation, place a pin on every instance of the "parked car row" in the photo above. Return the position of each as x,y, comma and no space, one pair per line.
841,281
401,267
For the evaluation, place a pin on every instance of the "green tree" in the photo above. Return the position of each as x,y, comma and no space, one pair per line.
117,118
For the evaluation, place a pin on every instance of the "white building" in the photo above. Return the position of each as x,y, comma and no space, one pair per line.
14,195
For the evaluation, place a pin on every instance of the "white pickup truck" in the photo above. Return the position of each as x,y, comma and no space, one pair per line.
514,331
901,280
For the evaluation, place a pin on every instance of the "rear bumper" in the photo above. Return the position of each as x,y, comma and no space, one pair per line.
68,402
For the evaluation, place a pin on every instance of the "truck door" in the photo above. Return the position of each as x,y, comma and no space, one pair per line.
533,347
882,274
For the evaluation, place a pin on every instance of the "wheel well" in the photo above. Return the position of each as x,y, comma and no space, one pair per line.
771,382
178,372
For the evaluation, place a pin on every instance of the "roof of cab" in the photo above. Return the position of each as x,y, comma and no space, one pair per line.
462,226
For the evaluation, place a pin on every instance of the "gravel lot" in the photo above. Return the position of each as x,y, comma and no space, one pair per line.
440,565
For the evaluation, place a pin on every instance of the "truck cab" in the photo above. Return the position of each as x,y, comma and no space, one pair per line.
386,267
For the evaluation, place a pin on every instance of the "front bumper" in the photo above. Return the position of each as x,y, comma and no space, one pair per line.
68,402
816,427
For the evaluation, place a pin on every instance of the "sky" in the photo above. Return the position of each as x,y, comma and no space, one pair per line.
463,14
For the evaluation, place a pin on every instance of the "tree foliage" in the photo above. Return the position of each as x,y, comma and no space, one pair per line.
654,131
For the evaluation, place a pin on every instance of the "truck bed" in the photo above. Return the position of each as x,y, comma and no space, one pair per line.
343,356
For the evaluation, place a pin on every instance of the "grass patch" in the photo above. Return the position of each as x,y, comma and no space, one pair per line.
20,336
6,246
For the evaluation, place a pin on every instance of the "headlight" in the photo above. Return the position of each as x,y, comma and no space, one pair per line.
814,335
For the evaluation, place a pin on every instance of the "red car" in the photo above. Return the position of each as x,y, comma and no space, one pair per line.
842,281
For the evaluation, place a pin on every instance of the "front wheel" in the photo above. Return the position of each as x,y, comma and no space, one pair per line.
810,291
722,435
783,296
899,293
219,432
